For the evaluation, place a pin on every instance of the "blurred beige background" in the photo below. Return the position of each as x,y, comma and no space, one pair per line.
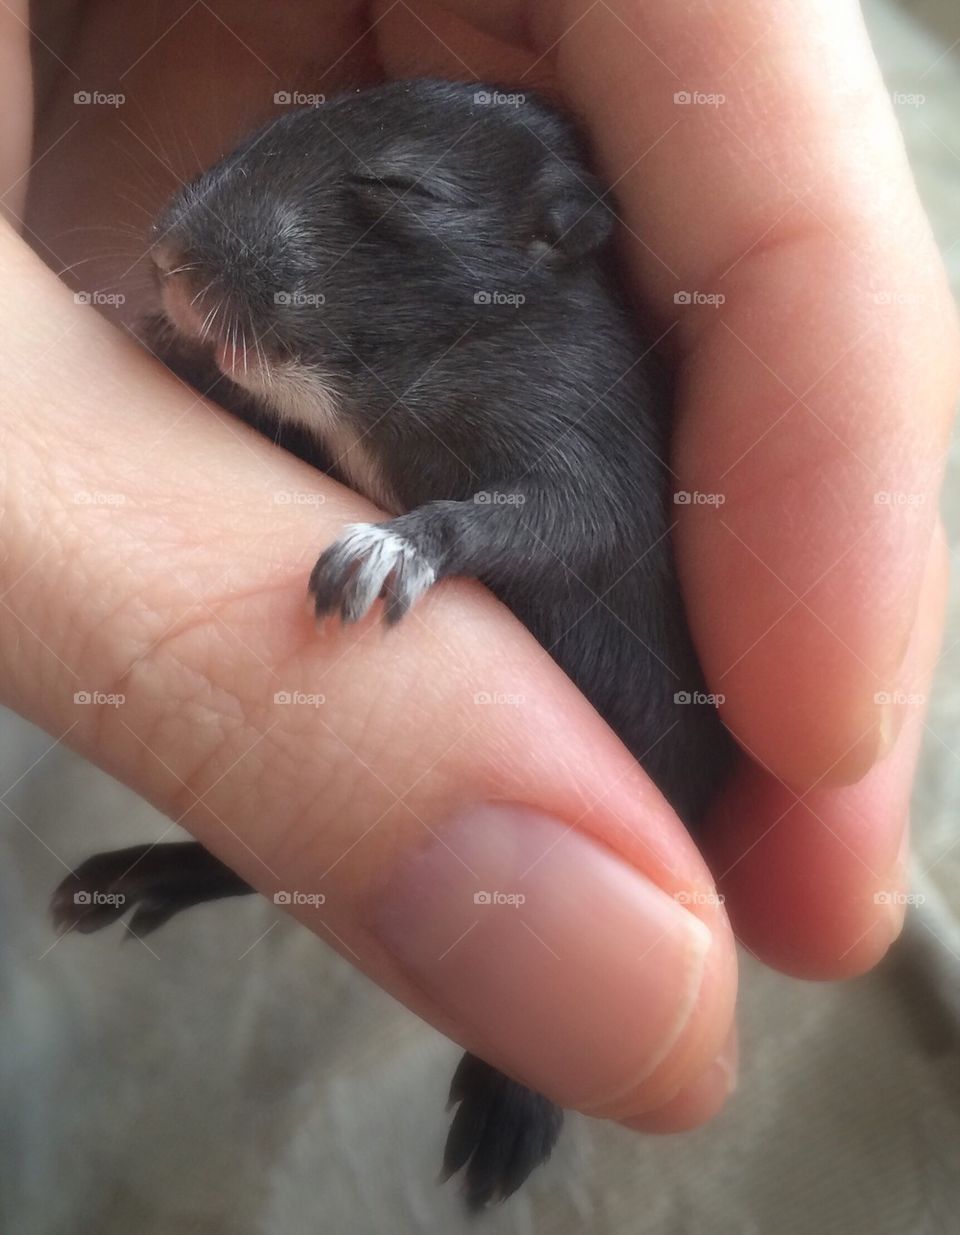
240,1079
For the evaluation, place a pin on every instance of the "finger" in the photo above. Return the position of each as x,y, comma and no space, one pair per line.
815,884
428,40
16,113
700,1101
482,845
819,379
514,24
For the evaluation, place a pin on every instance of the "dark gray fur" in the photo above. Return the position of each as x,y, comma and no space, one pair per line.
521,443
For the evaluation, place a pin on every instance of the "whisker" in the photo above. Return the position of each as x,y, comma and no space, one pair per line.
203,324
202,292
82,261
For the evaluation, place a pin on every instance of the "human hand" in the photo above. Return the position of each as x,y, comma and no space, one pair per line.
756,161
186,595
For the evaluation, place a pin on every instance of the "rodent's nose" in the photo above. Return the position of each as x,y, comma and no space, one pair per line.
166,256
182,302
183,305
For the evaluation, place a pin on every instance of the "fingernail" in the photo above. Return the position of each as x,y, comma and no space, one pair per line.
547,949
699,1101
892,899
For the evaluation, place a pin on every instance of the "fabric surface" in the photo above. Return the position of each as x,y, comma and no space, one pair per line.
237,1077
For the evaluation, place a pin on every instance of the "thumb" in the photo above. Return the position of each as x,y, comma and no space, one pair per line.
475,839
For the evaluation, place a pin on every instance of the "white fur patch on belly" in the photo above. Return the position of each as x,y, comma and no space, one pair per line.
304,396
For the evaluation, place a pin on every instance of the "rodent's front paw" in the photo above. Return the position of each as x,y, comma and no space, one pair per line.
369,561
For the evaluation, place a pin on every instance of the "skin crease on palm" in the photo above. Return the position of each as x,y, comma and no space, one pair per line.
802,397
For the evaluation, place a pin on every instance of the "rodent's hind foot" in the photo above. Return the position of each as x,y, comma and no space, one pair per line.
155,881
368,562
500,1133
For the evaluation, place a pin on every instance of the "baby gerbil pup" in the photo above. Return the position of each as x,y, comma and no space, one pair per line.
414,287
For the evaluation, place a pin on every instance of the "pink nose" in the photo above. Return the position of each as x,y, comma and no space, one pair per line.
178,288
165,256
183,304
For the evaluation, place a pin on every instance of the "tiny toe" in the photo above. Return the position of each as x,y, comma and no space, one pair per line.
152,912
395,606
413,576
87,899
323,588
70,914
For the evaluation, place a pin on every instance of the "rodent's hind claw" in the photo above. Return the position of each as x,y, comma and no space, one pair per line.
501,1132
152,882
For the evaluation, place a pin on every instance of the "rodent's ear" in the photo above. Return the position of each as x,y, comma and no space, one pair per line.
572,218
